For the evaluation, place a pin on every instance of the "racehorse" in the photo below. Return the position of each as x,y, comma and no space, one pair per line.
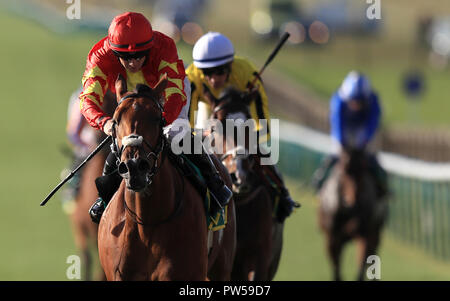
154,227
84,230
259,236
349,209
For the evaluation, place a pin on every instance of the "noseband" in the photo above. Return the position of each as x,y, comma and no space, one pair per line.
138,141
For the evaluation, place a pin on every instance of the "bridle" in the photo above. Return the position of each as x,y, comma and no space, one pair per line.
222,102
154,154
222,105
138,141
238,157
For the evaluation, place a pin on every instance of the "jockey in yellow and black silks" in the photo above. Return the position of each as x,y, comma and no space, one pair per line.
239,75
216,68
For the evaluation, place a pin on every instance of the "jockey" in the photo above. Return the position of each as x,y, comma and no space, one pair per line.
216,68
141,56
354,117
81,136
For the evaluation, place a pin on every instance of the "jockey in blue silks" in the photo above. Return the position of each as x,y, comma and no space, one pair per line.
354,116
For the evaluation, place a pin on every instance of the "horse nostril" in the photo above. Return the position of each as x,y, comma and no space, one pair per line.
123,168
143,165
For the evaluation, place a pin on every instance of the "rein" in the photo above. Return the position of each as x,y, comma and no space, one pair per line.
222,105
155,153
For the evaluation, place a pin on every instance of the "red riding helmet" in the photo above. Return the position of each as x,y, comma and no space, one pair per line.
130,32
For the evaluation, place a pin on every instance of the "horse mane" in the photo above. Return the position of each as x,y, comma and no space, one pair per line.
232,99
357,162
230,92
141,90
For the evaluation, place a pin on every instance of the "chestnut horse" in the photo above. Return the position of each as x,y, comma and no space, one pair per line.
154,227
259,236
349,209
84,230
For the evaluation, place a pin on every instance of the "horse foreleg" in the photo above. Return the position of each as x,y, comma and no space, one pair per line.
244,268
81,241
263,264
87,263
277,245
367,247
334,251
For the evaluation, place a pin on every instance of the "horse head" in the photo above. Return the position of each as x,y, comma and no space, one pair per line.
138,132
240,165
354,161
233,106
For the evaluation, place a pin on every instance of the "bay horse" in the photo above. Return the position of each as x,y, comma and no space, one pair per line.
84,230
154,227
259,236
349,209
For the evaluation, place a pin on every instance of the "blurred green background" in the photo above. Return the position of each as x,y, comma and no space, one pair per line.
41,68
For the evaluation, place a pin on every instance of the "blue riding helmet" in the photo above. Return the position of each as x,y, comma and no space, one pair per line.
355,86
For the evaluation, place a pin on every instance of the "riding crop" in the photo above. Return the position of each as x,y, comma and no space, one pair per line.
271,56
72,173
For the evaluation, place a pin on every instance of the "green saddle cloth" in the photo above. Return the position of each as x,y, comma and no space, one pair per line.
193,173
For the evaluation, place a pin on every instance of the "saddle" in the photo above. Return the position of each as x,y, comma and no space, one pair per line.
189,170
194,175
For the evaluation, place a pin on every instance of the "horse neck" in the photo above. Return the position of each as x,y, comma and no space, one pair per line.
156,202
353,184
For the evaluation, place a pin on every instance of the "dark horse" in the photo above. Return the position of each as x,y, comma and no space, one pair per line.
349,209
259,236
154,227
84,230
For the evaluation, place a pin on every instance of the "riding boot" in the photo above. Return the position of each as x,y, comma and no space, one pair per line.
380,176
323,172
107,185
286,204
220,193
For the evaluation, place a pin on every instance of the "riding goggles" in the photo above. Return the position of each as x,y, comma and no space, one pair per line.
220,70
131,55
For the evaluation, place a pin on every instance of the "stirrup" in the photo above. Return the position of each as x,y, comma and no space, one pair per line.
97,209
222,196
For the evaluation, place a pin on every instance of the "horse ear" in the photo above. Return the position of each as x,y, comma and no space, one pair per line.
121,86
159,88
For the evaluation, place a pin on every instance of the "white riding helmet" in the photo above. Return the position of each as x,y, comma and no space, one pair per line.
211,50
355,86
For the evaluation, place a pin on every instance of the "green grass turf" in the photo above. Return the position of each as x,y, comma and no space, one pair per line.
40,71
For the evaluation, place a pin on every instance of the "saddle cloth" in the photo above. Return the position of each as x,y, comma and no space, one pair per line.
193,174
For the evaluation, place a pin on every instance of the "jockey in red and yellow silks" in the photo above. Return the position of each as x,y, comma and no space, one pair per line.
103,66
141,56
